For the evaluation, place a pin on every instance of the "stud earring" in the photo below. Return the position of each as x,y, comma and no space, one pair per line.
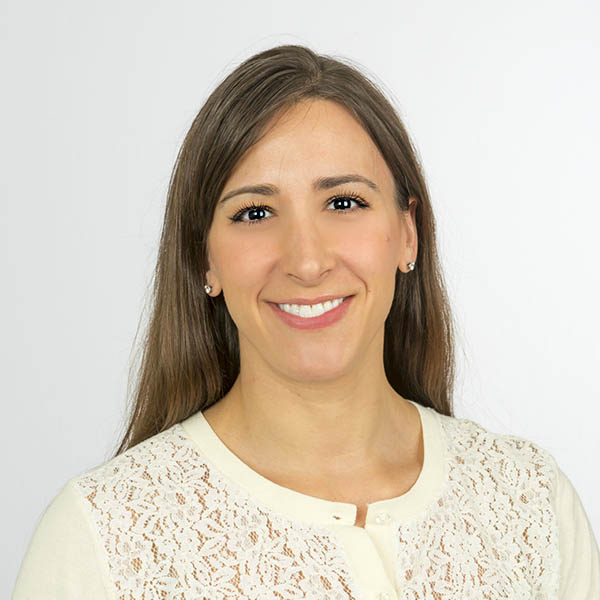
411,265
208,289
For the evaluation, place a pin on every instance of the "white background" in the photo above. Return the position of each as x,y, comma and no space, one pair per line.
502,101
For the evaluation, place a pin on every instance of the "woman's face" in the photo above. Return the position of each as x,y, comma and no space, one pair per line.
307,241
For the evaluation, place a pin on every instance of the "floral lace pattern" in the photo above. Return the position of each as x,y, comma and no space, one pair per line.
492,533
173,528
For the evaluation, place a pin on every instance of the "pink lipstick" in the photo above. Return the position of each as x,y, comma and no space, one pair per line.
328,318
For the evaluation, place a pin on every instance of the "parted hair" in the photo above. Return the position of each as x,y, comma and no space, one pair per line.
188,357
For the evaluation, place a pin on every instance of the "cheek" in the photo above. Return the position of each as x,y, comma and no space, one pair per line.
243,269
242,264
372,250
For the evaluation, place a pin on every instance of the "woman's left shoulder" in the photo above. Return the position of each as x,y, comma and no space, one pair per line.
511,458
517,485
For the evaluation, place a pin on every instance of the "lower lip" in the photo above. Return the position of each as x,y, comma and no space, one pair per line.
323,320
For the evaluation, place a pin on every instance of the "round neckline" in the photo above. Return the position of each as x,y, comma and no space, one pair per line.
314,510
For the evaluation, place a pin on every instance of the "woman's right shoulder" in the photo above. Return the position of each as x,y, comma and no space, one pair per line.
67,554
155,465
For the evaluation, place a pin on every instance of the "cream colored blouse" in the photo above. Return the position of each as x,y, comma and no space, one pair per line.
179,516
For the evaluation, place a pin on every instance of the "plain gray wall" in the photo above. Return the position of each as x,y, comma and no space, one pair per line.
501,100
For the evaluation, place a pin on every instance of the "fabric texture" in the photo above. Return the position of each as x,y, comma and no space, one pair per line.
179,516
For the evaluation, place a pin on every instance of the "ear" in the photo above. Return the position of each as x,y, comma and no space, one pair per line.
211,278
410,248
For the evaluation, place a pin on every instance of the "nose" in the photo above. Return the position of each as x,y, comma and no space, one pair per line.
306,250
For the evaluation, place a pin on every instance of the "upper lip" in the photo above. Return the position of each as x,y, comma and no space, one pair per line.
318,300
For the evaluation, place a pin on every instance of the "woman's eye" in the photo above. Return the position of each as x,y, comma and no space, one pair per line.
360,202
254,211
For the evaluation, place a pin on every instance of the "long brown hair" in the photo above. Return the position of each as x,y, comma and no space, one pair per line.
190,352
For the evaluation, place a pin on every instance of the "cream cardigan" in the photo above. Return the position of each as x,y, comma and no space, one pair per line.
179,516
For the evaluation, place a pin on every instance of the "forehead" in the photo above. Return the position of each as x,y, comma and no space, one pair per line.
315,138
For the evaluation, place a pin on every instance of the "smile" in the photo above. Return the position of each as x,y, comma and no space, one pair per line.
311,310
312,316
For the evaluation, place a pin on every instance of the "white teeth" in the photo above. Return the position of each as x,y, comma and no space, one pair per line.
310,310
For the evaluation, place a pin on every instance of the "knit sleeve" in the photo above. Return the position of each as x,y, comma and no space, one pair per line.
64,559
579,556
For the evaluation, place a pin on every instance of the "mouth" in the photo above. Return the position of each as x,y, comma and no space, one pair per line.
306,317
310,302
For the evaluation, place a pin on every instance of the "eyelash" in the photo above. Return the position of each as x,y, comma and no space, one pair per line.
361,202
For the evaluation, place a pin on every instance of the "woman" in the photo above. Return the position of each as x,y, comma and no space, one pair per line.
293,435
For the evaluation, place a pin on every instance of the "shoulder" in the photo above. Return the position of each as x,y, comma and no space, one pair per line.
64,557
503,487
154,472
506,459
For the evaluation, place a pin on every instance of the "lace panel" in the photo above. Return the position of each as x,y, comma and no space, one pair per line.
173,528
492,533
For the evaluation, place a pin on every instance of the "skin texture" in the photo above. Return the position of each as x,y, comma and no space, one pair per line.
312,409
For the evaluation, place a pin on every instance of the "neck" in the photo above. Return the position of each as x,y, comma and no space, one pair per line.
340,430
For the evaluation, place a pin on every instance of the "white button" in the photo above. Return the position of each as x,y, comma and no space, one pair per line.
382,517
384,596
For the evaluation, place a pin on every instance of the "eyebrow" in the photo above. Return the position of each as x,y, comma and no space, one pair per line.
321,183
